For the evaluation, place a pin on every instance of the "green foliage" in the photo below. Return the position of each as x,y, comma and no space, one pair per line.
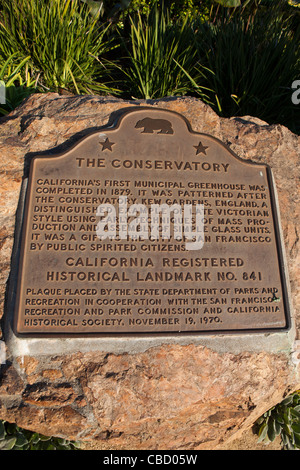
241,60
96,8
159,52
253,61
205,8
294,3
106,8
12,437
65,44
176,9
18,81
282,420
229,3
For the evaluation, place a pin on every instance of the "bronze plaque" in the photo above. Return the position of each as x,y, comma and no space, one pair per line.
149,227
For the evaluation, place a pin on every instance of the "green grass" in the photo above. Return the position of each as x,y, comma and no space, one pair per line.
253,62
158,52
64,42
241,61
19,83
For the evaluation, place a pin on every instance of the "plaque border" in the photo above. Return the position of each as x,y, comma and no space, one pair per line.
115,125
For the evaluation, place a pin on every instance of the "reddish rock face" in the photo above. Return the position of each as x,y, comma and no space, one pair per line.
170,396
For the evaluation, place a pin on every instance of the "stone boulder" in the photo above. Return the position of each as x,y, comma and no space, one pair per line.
151,394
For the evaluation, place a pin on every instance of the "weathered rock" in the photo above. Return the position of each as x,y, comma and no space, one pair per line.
170,396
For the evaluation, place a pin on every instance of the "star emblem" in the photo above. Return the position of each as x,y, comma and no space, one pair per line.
200,148
107,145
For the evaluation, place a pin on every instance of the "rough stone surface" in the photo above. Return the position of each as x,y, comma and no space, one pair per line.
169,396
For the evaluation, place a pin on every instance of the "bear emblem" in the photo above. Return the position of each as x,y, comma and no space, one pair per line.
150,125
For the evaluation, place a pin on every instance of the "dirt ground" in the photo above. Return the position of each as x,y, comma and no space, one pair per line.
248,441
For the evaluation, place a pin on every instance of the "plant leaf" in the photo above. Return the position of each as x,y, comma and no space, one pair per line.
287,401
229,3
277,428
2,430
271,431
262,433
296,428
21,440
8,444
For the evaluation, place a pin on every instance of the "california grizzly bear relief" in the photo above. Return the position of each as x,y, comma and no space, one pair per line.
150,125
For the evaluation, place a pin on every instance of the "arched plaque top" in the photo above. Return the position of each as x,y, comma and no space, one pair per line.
148,129
167,128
